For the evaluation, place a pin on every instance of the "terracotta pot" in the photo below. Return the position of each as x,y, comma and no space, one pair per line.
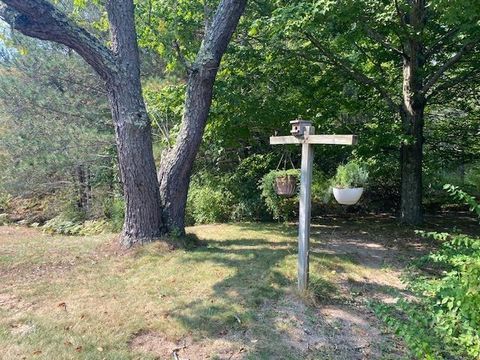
286,185
347,196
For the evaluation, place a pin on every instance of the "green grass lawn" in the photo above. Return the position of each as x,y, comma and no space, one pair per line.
232,298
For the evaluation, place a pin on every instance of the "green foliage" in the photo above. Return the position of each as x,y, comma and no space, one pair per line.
114,212
351,175
243,185
464,198
444,320
5,199
207,201
473,177
62,225
282,208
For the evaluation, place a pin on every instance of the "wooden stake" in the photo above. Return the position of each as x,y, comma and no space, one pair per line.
305,211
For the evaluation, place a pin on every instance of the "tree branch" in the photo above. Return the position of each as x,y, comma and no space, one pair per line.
352,72
181,56
447,65
452,83
380,39
439,43
41,20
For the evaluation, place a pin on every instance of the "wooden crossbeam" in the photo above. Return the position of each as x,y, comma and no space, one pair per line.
315,139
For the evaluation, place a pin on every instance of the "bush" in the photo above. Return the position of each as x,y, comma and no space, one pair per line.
444,321
351,175
61,225
5,200
114,212
473,177
207,203
243,185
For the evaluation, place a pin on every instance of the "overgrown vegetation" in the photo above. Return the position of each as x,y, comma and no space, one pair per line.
443,321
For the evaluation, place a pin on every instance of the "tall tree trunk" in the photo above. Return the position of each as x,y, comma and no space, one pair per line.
176,166
82,187
119,68
412,116
411,159
143,216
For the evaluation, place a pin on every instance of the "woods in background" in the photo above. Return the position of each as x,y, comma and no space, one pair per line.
403,76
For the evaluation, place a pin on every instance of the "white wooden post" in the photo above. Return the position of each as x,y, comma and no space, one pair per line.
305,208
304,134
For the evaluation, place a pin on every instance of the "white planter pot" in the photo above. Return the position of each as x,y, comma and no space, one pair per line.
347,196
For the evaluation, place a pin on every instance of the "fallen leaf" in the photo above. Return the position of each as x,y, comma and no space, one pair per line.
37,352
78,349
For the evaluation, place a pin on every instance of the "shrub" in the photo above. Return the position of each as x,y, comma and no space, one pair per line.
443,322
114,212
243,185
473,177
5,200
207,203
353,174
61,225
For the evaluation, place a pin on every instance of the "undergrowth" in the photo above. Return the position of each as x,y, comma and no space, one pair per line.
443,321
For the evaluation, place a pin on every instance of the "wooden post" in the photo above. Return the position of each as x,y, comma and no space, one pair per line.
305,210
304,134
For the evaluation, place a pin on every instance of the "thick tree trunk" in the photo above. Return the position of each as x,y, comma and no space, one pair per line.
412,116
176,166
143,215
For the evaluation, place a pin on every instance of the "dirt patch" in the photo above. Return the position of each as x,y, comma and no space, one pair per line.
156,344
12,303
333,331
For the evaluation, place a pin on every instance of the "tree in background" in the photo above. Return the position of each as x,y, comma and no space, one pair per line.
57,133
411,53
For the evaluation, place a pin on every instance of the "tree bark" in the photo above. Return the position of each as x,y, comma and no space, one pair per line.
412,116
119,68
176,165
143,216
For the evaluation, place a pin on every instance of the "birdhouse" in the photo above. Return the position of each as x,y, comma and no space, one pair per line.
298,127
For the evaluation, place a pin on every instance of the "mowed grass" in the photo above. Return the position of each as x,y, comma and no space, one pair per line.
76,298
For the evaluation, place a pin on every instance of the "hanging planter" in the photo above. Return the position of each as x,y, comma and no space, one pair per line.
349,182
286,185
347,196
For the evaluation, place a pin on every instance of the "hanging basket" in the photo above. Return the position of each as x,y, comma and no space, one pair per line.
347,196
286,185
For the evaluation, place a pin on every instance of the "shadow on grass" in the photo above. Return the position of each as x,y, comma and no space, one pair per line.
236,311
243,307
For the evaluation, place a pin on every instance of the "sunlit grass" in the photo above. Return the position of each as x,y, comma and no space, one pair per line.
72,297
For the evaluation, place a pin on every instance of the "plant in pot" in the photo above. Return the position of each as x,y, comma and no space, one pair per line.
285,183
349,182
279,190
